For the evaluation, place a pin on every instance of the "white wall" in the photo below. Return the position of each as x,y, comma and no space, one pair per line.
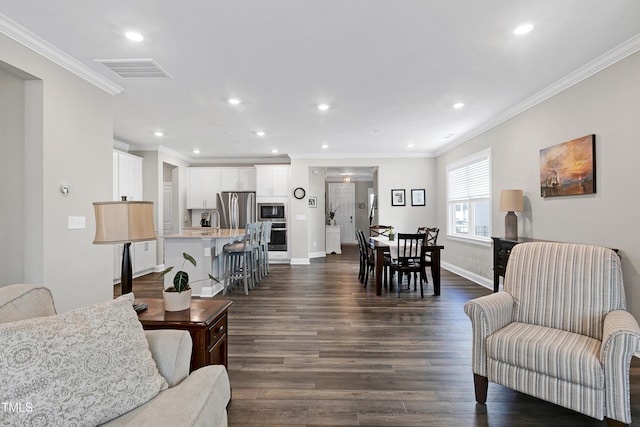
12,193
317,216
392,173
607,105
154,164
67,140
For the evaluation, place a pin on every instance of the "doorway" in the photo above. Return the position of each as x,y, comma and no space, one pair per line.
342,199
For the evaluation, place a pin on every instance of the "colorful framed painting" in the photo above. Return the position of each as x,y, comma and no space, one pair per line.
569,169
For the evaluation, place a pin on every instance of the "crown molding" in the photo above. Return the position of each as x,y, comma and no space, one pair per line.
279,160
392,155
119,145
618,53
42,47
160,149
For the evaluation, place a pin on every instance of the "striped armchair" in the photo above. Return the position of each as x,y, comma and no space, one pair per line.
559,330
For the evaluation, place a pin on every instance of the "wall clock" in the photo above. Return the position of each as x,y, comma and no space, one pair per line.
299,193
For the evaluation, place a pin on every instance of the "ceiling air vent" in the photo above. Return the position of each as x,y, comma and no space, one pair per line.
135,68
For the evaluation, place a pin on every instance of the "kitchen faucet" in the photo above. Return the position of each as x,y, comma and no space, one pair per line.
215,211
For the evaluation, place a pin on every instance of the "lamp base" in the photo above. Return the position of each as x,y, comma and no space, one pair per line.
511,226
126,274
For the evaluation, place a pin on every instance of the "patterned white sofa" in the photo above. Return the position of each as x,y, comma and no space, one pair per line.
559,330
97,366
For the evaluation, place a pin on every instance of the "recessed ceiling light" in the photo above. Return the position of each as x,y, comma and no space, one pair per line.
260,133
158,133
523,29
274,151
323,107
324,146
458,105
134,36
196,151
233,101
409,145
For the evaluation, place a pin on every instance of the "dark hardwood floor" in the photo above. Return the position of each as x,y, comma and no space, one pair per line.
309,346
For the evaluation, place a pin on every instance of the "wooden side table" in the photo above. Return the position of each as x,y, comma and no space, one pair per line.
206,321
501,250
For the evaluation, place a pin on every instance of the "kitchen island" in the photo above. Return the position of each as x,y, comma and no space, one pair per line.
205,245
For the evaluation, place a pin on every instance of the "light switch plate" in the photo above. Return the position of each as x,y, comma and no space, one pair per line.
77,223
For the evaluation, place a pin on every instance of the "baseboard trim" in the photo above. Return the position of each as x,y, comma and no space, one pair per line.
317,254
476,278
300,261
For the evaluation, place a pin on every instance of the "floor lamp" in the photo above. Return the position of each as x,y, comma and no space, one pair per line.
124,222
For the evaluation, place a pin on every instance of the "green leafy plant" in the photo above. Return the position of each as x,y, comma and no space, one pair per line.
332,212
181,279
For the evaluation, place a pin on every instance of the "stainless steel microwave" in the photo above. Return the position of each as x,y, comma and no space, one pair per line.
275,212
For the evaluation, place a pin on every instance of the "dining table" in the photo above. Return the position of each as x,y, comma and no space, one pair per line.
382,245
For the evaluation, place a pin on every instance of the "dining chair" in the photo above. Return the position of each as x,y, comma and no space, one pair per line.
379,230
409,259
431,239
363,256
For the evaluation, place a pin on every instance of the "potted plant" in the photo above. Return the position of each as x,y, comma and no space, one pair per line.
178,296
392,235
332,215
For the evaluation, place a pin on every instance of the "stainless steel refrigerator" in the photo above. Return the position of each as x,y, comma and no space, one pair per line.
236,208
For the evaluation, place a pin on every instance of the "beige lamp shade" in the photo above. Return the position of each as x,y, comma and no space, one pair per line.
511,201
122,222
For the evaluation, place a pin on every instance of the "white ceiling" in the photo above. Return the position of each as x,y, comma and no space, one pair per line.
390,70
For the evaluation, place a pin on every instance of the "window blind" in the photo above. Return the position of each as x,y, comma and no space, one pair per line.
471,180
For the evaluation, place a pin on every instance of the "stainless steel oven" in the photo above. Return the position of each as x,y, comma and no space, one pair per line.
278,236
274,212
277,214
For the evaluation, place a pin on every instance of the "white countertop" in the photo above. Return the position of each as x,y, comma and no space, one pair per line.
206,233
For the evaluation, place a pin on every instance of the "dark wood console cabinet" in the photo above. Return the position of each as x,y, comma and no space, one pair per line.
206,321
501,251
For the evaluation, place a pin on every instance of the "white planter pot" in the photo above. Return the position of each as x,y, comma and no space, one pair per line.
174,301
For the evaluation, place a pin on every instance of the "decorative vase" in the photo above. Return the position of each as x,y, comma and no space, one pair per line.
177,301
332,221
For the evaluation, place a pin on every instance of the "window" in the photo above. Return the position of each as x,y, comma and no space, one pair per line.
469,197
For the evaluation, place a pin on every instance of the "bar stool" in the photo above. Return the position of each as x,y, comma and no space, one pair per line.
255,229
238,260
263,253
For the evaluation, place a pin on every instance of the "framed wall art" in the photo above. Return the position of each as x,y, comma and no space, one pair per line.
313,202
417,197
398,197
569,169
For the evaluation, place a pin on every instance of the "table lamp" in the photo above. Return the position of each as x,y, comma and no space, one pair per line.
511,201
124,222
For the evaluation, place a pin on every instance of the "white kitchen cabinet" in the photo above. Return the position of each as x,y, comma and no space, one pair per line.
127,176
127,181
202,186
333,239
144,257
272,180
238,179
